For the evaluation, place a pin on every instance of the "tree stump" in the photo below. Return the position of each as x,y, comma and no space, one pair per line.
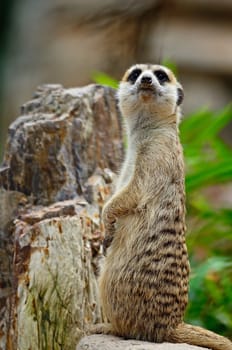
58,167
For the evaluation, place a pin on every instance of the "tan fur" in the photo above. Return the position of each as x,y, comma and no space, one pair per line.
144,280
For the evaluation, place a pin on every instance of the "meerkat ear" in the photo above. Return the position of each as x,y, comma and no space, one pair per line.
180,96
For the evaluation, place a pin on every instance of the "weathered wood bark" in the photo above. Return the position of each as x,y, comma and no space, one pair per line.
57,171
62,137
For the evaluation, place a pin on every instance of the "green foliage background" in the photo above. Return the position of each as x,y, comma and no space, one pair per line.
208,162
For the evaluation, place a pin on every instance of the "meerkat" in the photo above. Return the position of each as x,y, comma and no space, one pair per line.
144,280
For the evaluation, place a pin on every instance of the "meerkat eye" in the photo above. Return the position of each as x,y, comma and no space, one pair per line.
161,76
134,75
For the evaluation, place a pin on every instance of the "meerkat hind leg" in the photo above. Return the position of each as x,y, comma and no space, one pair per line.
100,328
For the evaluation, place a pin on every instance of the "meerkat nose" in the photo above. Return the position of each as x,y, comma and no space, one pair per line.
146,80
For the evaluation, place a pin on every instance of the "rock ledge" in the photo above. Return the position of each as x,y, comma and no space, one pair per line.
108,342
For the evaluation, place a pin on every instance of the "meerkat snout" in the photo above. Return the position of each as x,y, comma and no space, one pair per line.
146,84
153,78
146,80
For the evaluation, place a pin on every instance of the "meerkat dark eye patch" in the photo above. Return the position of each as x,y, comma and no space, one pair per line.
161,76
133,76
180,96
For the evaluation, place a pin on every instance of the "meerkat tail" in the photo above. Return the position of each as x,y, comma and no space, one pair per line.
195,335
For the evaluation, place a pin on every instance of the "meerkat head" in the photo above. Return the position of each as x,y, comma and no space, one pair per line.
150,90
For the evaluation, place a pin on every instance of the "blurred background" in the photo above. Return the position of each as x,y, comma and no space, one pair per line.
68,41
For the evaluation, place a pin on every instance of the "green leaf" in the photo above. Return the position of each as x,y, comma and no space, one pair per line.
217,123
104,79
209,174
170,64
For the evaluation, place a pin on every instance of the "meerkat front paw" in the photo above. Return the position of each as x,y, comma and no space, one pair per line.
107,242
140,209
109,229
109,221
108,216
